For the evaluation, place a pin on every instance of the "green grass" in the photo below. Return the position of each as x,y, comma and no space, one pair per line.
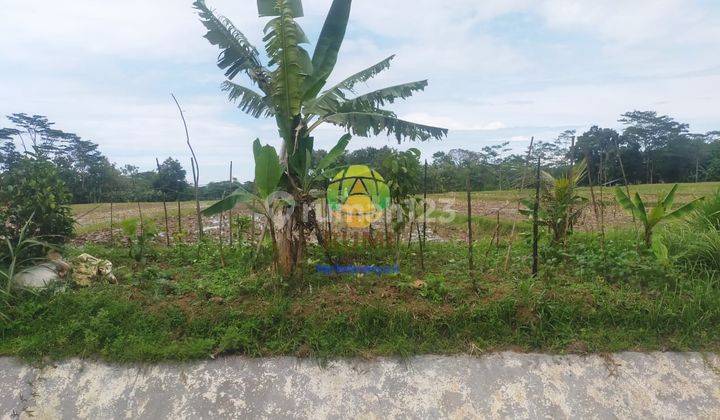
686,192
184,305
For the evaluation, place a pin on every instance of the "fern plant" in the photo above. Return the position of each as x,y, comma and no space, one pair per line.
651,217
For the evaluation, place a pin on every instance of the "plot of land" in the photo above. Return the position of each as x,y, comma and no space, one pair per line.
94,219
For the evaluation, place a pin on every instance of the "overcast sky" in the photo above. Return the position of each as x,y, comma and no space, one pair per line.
499,70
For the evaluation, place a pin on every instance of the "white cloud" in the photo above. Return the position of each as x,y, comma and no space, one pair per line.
104,69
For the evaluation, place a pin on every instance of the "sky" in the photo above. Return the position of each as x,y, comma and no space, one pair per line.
499,70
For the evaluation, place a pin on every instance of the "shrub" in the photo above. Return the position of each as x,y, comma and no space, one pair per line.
708,213
139,235
698,242
33,189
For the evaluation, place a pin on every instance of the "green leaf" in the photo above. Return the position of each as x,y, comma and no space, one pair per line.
236,52
364,124
330,100
229,202
670,197
267,171
257,149
628,204
334,153
249,101
641,212
274,7
660,250
683,211
656,215
378,98
328,46
283,37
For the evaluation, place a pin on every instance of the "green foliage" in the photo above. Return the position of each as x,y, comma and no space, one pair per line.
33,190
267,169
17,254
268,173
139,235
327,48
707,214
661,212
291,85
182,305
560,203
697,243
171,180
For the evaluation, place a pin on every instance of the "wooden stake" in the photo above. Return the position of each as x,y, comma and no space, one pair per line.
252,228
179,217
422,247
230,212
385,221
536,210
196,173
522,187
112,237
195,170
423,239
167,224
469,225
497,230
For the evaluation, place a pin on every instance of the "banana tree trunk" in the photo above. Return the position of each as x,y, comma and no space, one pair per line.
290,243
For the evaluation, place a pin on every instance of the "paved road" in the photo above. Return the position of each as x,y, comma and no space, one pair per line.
626,385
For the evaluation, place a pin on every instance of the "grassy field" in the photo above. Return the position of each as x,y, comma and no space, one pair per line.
189,301
686,192
183,304
92,218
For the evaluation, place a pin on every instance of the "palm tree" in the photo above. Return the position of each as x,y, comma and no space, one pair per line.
291,88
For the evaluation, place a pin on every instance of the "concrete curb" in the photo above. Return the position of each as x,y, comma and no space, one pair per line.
625,385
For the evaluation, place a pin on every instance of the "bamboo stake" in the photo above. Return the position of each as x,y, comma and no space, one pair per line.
196,174
252,228
179,217
497,230
522,187
167,224
195,169
627,187
422,247
385,221
142,224
423,239
469,226
220,236
536,209
602,208
330,224
230,212
592,189
411,233
112,237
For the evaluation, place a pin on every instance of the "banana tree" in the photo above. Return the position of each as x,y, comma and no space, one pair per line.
652,217
291,88
267,197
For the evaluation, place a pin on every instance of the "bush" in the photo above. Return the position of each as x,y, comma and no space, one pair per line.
33,188
708,213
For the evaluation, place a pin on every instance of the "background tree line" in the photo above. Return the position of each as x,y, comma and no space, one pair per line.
651,148
86,173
